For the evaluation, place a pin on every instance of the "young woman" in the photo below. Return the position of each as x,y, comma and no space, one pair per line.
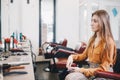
100,52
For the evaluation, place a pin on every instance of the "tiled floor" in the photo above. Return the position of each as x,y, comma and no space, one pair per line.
42,75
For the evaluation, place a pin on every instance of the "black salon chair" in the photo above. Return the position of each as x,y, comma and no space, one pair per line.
48,47
61,55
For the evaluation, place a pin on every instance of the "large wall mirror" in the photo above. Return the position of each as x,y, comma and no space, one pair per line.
37,15
47,21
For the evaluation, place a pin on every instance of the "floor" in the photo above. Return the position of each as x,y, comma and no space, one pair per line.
42,75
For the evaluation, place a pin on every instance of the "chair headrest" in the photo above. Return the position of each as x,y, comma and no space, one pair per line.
64,42
80,47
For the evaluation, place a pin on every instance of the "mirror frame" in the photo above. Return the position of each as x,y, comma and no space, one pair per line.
0,20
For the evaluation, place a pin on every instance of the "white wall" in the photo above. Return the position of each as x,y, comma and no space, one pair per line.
30,22
67,22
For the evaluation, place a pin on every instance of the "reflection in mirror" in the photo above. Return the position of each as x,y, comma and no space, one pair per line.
47,20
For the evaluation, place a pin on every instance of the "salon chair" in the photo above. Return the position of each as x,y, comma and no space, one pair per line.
111,75
48,47
61,55
47,50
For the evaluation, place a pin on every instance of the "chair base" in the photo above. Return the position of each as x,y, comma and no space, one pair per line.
47,69
52,70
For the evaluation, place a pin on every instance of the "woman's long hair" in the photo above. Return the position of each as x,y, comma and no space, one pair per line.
105,30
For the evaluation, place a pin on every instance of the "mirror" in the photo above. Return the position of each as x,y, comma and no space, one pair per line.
47,21
19,14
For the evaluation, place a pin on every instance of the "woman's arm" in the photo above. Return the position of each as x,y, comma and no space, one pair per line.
75,57
79,57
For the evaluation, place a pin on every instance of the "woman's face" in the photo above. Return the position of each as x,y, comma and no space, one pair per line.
95,23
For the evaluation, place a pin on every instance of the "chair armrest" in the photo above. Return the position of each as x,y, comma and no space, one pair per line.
66,51
105,74
51,44
54,44
82,63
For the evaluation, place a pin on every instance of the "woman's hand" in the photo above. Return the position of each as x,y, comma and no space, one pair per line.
69,61
74,69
